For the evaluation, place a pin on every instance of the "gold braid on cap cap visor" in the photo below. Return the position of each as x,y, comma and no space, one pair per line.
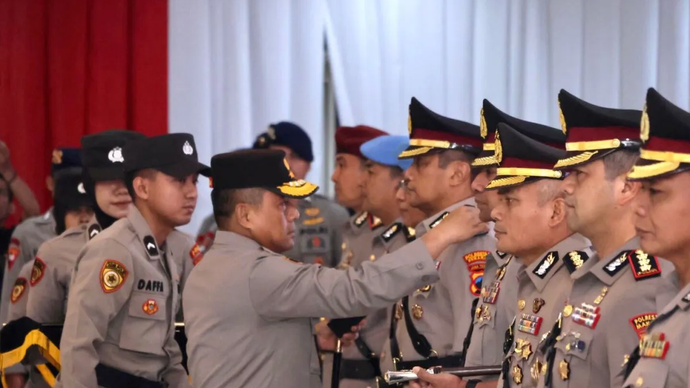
299,188
506,181
573,160
486,160
593,145
426,146
668,161
509,176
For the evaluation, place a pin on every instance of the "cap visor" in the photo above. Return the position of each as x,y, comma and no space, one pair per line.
296,189
413,151
485,159
185,168
578,158
103,174
652,169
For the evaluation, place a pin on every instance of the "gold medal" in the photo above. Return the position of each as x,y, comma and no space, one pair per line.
564,370
517,374
534,371
567,310
417,312
521,304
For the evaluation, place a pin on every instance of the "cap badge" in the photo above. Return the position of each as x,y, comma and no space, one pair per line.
271,133
292,175
187,148
80,188
644,125
409,124
483,128
115,155
498,151
561,117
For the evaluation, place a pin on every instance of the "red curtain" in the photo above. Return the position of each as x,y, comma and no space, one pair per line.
75,67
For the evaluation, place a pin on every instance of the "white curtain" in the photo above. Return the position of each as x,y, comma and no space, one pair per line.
517,53
236,66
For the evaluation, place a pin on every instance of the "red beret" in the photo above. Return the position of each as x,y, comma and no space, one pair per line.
349,139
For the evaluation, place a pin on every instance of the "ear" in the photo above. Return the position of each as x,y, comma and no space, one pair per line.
50,183
460,172
141,188
628,190
558,213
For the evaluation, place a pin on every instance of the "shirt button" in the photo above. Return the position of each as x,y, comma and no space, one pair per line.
420,266
425,278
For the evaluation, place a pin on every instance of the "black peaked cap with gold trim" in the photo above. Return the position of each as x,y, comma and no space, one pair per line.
665,129
430,131
593,131
491,116
266,169
522,159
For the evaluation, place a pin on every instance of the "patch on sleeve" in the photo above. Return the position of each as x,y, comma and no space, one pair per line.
37,271
18,290
643,265
195,254
13,252
641,322
113,275
476,261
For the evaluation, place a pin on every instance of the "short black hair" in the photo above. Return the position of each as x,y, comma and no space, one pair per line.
619,162
226,200
446,157
148,173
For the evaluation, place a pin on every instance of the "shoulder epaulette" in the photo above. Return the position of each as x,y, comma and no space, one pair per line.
643,265
617,264
438,220
574,260
375,222
502,255
360,219
546,264
410,233
391,232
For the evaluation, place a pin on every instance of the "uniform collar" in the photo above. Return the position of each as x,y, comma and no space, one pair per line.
610,268
542,270
681,301
235,241
144,234
436,219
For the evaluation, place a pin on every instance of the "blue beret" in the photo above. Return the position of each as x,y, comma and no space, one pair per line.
289,135
64,158
385,150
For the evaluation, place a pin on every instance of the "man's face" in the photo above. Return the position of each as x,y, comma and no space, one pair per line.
78,217
5,204
273,222
426,181
662,208
379,187
349,178
486,199
589,197
521,221
113,199
173,199
411,216
299,166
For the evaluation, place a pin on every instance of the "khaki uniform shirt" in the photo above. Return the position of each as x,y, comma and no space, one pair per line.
664,361
318,238
375,332
20,293
26,238
248,309
441,312
121,308
495,310
543,288
358,233
612,302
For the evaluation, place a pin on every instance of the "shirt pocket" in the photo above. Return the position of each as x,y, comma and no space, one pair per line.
145,327
648,374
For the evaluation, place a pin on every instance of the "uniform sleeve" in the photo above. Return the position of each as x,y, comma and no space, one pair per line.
461,273
280,288
91,307
17,309
47,297
339,218
621,335
18,245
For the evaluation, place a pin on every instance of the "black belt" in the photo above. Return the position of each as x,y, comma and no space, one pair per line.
443,362
358,369
110,377
419,342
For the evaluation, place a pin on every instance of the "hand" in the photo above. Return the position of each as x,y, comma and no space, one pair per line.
5,162
441,380
462,224
327,339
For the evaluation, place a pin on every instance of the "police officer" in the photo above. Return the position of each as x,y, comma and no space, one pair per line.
34,231
124,293
436,318
613,298
349,177
104,184
318,237
272,297
72,209
360,364
663,169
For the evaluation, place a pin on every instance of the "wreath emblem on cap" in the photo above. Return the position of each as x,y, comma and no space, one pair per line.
115,155
409,124
498,152
644,125
561,117
483,128
187,148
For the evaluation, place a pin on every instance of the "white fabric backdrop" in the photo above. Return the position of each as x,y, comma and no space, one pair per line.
517,53
236,66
